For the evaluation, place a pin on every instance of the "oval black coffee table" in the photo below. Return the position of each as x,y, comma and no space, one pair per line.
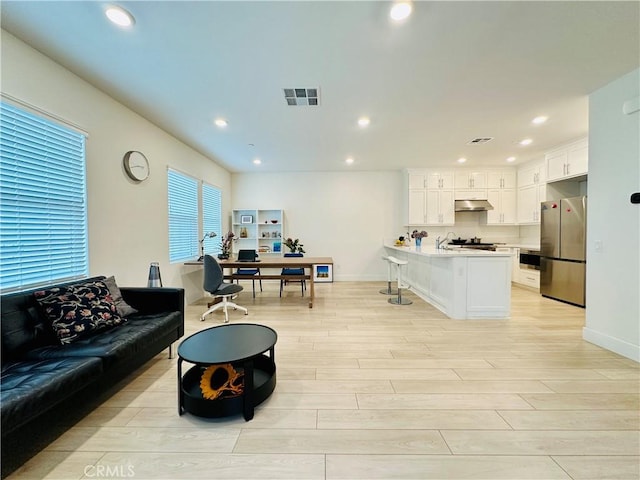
241,344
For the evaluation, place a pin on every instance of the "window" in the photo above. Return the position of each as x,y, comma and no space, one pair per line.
43,208
183,217
211,217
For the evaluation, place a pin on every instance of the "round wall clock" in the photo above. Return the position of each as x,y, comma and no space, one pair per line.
136,165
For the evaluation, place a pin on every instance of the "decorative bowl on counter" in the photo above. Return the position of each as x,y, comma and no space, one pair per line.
274,221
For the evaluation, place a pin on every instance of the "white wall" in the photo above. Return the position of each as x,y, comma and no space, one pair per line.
613,270
342,215
127,222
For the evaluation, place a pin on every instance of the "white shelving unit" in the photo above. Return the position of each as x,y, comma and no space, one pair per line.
260,230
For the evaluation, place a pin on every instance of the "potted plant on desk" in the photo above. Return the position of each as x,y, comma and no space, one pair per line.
225,246
294,246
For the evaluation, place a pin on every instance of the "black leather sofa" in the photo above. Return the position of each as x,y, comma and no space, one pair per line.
43,379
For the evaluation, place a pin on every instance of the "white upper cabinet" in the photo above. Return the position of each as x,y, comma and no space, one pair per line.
529,199
417,180
417,206
503,202
437,179
532,190
430,197
440,208
469,180
501,179
568,161
470,185
532,173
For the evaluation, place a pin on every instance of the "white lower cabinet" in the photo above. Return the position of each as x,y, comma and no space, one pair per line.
515,261
529,278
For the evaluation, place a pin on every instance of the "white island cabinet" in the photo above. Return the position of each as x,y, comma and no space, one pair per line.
461,283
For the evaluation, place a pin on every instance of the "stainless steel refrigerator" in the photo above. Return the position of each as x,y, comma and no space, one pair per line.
563,262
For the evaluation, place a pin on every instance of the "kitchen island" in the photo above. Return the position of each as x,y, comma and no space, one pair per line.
462,283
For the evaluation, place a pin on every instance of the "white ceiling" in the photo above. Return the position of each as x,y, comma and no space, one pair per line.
452,72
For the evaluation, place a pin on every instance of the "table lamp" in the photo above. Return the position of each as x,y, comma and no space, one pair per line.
206,235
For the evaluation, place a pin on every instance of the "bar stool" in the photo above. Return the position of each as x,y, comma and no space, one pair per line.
388,290
399,300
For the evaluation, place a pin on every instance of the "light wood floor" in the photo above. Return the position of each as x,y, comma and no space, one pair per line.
369,390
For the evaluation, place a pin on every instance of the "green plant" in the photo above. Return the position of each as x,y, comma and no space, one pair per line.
294,246
225,245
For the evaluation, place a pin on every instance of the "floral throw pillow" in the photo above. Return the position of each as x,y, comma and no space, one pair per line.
78,311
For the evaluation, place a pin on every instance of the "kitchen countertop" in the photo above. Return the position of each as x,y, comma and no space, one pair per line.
431,251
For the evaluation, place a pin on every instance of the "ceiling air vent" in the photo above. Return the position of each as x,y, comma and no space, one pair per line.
298,97
479,140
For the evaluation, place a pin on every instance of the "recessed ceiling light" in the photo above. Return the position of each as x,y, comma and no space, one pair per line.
462,160
539,120
349,160
221,122
257,161
526,141
400,10
364,121
511,159
119,16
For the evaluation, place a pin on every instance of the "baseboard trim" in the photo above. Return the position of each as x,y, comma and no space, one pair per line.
613,344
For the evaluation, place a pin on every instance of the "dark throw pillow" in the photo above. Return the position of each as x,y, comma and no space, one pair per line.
124,309
78,311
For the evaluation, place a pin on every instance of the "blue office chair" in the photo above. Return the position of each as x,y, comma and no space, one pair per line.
214,284
248,256
293,271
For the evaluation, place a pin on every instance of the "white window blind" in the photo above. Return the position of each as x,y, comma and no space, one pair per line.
43,213
212,217
183,217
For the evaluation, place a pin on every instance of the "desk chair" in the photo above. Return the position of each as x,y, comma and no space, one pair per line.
293,271
249,256
214,284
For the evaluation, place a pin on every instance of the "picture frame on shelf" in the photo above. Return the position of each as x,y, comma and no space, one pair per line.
246,218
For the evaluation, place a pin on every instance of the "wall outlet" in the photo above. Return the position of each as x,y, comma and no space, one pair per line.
597,245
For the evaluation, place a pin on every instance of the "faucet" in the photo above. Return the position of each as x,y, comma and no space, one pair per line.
440,242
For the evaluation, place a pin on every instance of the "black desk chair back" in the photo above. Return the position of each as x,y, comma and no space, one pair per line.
292,272
215,285
248,256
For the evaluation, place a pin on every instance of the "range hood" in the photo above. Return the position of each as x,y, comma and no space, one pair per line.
473,206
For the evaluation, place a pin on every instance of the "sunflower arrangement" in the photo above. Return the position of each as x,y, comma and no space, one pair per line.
221,381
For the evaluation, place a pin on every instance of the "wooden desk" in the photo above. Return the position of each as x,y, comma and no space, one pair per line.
278,262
